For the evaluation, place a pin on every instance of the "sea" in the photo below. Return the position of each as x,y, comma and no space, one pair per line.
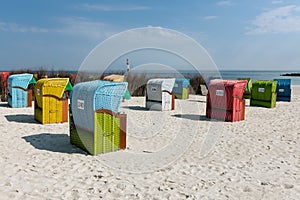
260,75
226,74
234,74
254,75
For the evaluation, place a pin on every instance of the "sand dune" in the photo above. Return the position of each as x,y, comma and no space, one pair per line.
171,155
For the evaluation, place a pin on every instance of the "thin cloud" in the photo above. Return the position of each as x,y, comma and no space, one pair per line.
224,3
76,26
211,17
280,20
101,7
277,2
17,28
80,26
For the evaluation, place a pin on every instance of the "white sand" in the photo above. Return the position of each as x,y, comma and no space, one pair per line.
171,155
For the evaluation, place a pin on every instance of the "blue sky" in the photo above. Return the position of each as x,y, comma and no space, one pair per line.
242,35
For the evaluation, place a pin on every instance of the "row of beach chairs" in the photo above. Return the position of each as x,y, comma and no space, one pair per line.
97,126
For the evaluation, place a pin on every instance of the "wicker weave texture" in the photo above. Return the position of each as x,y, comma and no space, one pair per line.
107,133
18,98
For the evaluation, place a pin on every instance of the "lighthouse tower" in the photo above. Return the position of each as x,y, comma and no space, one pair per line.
127,93
128,65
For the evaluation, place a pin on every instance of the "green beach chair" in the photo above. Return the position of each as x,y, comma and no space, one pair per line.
247,92
263,93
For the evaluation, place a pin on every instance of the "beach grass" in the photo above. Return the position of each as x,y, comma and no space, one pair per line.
136,82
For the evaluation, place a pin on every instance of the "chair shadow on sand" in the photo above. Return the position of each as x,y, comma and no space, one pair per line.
200,101
192,117
21,118
195,117
139,108
53,142
4,105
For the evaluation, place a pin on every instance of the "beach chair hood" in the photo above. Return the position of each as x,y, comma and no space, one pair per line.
52,86
20,80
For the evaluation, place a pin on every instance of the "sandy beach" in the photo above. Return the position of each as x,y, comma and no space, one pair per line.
176,154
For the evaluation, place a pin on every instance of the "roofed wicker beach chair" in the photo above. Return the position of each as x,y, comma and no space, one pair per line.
225,100
19,95
181,88
159,94
51,101
247,93
283,90
3,85
263,93
96,125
